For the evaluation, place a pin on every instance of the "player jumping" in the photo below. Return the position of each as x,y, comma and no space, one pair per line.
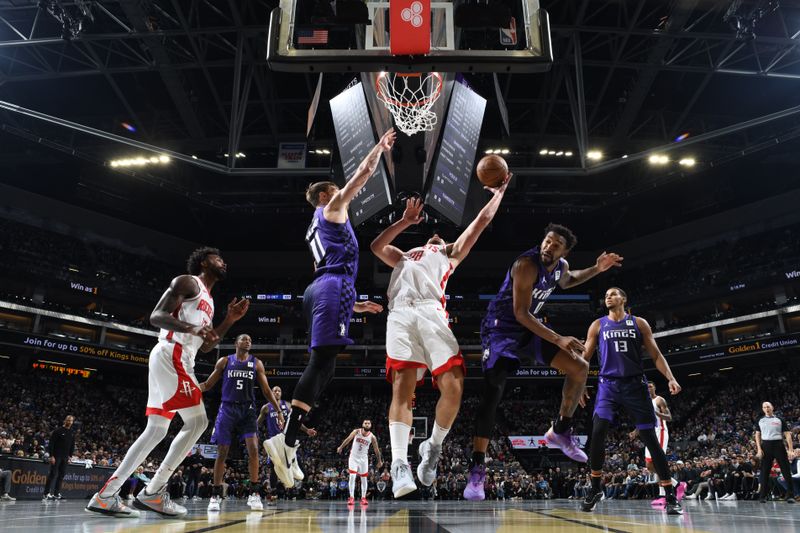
511,332
330,300
621,339
237,414
358,463
184,313
418,335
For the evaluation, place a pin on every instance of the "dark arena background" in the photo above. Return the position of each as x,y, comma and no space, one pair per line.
133,132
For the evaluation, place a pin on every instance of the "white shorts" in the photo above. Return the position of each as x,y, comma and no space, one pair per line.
663,439
358,466
171,382
420,337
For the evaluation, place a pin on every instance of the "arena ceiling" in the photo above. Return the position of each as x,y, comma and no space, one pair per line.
630,76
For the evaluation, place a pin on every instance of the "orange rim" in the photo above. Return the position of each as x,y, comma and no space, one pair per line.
393,101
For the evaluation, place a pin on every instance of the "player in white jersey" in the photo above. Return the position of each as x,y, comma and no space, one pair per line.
663,415
358,463
418,335
184,313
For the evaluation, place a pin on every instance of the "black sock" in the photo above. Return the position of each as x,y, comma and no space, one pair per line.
562,424
295,421
669,490
478,459
216,490
596,483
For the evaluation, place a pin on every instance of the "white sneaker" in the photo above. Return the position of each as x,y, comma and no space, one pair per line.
111,506
402,480
213,504
709,497
297,474
281,456
429,454
690,497
255,503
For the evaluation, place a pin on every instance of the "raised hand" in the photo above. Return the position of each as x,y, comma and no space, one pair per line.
238,308
367,307
608,260
387,140
413,212
500,189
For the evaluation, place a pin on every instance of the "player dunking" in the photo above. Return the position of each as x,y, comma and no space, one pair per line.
511,332
419,338
621,339
330,300
274,426
237,414
358,463
184,313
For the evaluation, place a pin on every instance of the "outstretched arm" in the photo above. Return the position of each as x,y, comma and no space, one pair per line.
571,278
336,210
461,248
382,245
219,368
655,353
350,437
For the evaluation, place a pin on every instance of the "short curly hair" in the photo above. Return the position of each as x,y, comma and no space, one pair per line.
194,263
562,231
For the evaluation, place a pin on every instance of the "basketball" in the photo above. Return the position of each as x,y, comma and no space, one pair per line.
492,170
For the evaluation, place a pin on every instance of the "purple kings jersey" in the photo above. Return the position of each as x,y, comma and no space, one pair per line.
620,348
238,380
272,418
500,315
334,246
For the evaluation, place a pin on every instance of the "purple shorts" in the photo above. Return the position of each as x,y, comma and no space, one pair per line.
328,306
234,418
516,348
630,394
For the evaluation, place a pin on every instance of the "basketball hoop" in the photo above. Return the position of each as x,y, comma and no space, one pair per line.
409,98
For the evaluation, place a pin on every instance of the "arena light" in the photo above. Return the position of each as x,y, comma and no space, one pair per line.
594,155
568,154
140,161
687,162
695,374
658,159
543,151
505,151
726,368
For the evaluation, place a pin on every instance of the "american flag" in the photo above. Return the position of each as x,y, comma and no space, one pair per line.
312,36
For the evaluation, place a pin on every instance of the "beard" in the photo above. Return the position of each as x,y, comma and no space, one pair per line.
219,273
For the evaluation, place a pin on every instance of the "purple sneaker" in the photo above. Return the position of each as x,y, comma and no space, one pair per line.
474,489
568,443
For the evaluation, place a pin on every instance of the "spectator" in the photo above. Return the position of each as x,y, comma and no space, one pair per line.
5,481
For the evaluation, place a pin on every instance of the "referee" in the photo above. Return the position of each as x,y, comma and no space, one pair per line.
770,432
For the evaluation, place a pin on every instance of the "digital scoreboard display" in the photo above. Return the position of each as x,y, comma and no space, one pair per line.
452,174
355,138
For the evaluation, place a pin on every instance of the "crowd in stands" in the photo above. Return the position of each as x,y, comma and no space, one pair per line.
711,438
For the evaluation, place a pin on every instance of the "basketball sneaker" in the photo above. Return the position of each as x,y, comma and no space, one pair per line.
568,443
282,456
111,506
255,503
297,473
402,480
351,501
8,498
591,501
474,489
364,502
673,507
429,454
213,504
160,503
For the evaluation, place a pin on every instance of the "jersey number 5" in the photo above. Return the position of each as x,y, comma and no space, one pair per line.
239,384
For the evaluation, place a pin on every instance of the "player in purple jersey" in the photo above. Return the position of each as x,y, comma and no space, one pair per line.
621,340
330,300
510,332
239,373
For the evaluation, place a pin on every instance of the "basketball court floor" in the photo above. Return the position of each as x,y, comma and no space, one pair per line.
442,517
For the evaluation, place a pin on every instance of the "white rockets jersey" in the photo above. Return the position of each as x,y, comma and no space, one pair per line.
659,423
198,311
361,442
421,276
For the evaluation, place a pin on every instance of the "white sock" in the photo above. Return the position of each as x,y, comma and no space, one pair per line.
438,434
195,422
351,484
674,481
398,436
364,486
153,433
661,491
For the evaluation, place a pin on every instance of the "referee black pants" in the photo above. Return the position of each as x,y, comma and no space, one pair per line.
774,450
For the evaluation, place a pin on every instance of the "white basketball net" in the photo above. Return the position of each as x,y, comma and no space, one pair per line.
409,98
